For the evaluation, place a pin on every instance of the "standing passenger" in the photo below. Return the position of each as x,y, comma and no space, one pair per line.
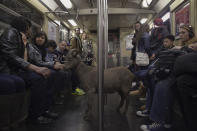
157,35
87,53
76,41
133,55
76,44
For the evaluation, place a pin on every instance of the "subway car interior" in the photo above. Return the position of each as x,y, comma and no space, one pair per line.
98,65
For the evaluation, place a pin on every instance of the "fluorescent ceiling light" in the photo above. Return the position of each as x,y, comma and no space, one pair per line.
146,3
149,1
166,16
143,20
50,4
72,22
57,22
66,3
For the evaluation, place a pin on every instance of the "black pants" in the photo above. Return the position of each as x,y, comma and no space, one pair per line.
10,84
39,93
187,88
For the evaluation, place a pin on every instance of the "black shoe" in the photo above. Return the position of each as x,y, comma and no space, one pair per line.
51,115
41,120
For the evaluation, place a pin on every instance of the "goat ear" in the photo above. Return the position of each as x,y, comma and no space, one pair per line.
75,53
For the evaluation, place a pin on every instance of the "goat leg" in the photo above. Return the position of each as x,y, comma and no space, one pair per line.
126,105
122,98
89,107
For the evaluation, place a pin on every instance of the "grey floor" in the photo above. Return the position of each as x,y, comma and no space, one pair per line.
71,117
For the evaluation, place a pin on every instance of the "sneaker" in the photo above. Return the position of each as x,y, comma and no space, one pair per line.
144,113
155,127
51,115
42,120
151,127
74,93
79,92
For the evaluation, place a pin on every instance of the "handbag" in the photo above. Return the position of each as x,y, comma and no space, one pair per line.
142,59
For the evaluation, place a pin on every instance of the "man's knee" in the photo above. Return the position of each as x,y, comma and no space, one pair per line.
7,85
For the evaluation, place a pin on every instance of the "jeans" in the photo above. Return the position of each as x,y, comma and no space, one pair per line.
39,93
163,100
11,84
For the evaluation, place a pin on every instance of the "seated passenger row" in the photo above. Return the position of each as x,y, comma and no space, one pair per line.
27,66
171,73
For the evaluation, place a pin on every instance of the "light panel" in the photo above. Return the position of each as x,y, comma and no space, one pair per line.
149,1
143,20
67,3
166,16
50,4
72,22
146,3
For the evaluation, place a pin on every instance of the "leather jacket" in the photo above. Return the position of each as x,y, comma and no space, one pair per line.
35,57
12,52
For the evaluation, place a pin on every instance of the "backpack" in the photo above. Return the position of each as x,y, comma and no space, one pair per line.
165,62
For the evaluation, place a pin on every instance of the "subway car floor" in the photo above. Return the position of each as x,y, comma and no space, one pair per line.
71,117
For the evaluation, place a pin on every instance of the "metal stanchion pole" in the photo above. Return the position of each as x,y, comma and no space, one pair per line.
100,62
102,28
106,32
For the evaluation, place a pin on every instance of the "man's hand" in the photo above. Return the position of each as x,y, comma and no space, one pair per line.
24,38
43,71
58,66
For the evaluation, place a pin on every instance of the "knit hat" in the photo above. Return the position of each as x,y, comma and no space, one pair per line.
158,21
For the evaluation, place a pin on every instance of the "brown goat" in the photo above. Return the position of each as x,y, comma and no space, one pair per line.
118,79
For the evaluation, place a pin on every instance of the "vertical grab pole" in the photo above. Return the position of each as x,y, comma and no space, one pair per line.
100,61
106,32
106,40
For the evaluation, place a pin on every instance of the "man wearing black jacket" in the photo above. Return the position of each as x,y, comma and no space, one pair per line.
14,60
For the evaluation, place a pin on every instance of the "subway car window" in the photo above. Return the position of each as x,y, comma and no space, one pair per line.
98,65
